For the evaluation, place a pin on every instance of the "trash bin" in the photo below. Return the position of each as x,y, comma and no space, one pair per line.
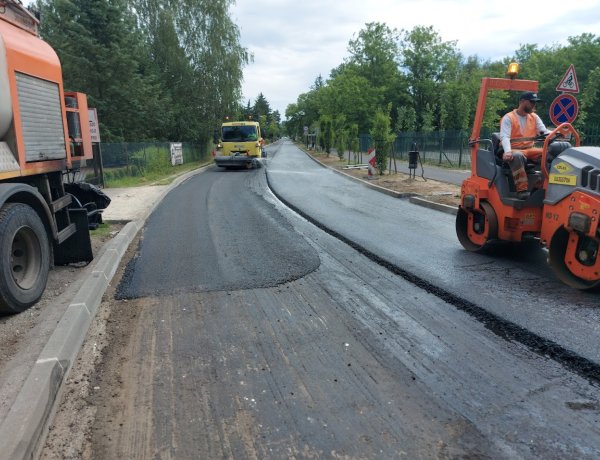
413,159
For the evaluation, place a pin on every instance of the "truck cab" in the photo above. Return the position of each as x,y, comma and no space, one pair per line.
239,145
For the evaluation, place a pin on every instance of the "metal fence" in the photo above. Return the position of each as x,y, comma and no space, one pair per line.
117,160
591,135
144,155
449,148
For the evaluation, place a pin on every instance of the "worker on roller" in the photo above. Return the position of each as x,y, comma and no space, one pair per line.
521,125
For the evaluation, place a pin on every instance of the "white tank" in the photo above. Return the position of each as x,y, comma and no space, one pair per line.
6,113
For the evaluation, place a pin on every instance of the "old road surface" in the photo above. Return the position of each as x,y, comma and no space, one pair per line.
240,329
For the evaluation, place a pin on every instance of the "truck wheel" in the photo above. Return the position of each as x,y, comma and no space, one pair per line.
476,227
24,257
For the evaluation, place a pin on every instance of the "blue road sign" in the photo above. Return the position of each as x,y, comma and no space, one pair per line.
564,109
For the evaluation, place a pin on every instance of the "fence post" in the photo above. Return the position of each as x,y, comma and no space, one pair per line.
126,152
460,147
438,134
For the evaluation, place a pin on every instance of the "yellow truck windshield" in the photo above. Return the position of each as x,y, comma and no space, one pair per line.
239,133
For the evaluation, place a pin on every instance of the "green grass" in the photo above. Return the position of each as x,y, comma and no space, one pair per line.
119,177
103,229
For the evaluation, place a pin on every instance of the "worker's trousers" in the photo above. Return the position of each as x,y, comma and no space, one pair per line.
517,167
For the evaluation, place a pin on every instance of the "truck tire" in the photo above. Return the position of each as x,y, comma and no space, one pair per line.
24,257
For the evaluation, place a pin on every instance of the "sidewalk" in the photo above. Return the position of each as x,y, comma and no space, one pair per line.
451,176
131,203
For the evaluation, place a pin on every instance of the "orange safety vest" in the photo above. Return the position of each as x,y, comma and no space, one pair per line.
516,133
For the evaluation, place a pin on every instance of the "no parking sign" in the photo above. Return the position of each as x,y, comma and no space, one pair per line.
564,109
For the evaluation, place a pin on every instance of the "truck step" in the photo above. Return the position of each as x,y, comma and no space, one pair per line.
66,232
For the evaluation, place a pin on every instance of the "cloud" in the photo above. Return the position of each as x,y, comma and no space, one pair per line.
294,42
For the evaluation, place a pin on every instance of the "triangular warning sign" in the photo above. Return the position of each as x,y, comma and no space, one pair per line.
569,83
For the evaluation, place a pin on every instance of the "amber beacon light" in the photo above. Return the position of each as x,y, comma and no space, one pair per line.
513,70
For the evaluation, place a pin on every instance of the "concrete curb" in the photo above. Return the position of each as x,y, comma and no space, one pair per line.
433,205
24,429
413,197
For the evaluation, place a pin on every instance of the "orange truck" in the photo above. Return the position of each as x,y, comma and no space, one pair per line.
44,139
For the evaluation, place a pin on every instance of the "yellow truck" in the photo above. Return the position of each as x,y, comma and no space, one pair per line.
240,145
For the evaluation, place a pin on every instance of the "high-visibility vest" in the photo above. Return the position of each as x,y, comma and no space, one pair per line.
530,130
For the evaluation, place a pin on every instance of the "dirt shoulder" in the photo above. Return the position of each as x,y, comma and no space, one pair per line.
436,191
24,335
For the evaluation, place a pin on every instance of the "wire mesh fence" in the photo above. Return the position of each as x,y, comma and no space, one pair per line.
444,148
135,159
449,148
145,155
591,135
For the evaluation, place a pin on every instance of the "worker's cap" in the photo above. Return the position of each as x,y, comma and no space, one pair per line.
529,96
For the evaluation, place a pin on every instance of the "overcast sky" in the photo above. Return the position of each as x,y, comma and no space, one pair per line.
293,41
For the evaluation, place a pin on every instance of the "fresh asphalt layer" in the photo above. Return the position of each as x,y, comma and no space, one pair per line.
24,428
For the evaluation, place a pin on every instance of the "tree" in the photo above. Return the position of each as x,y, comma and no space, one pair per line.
340,135
382,138
428,63
353,138
353,96
373,54
273,130
261,107
305,112
103,55
407,118
590,99
427,119
432,86
374,57
203,48
326,133
154,69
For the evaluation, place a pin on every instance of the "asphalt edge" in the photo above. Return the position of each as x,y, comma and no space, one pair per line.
25,427
414,198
